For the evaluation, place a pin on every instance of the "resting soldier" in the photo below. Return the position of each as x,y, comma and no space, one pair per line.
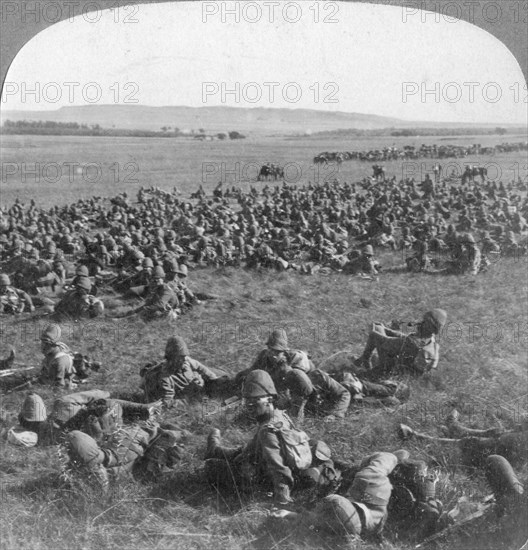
315,391
13,300
365,263
180,376
160,300
78,303
416,353
275,356
382,392
92,412
384,483
185,295
144,450
477,444
57,365
278,456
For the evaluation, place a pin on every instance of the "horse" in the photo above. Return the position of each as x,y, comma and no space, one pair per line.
472,171
378,172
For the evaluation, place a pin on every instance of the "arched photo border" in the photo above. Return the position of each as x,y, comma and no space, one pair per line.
510,28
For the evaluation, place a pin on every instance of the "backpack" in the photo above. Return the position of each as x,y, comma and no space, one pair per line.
296,447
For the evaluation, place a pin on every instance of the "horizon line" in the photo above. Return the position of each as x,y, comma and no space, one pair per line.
3,111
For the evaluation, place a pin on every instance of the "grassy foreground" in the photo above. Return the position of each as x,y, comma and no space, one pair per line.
483,371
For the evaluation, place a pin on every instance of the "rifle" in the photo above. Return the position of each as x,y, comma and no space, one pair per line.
26,382
9,372
231,403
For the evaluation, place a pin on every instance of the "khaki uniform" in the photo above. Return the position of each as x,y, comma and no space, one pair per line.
159,301
13,300
265,360
57,367
363,507
138,446
398,350
78,304
261,461
168,384
318,392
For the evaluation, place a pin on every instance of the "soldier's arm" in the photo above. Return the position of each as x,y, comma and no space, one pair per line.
299,360
26,298
167,391
338,394
436,357
260,361
60,369
270,450
206,373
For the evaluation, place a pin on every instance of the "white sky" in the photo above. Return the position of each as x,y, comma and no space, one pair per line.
369,54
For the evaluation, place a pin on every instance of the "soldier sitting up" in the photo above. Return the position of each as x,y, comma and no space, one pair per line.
416,353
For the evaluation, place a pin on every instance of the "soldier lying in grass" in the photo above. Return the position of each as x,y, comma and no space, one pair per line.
146,450
92,412
476,444
278,457
384,484
180,376
416,353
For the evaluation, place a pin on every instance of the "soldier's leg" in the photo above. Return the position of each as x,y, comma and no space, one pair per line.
387,347
513,446
370,389
371,489
334,515
84,450
85,454
506,486
300,388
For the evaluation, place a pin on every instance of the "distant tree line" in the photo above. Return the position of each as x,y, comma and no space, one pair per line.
52,128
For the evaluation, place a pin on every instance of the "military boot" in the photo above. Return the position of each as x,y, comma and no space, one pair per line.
508,490
282,494
214,439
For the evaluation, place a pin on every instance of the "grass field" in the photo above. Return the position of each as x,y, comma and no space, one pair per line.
483,370
44,168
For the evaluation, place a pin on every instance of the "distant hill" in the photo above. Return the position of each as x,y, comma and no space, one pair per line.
257,121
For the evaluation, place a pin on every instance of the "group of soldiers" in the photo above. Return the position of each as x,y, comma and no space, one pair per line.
104,437
144,250
62,260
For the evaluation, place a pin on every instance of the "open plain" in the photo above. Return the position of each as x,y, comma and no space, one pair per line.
483,367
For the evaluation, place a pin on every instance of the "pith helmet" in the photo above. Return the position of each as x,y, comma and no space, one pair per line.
33,408
84,283
278,340
51,334
81,271
176,347
258,383
183,270
437,318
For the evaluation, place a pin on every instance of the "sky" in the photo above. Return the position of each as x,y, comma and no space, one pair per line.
329,56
